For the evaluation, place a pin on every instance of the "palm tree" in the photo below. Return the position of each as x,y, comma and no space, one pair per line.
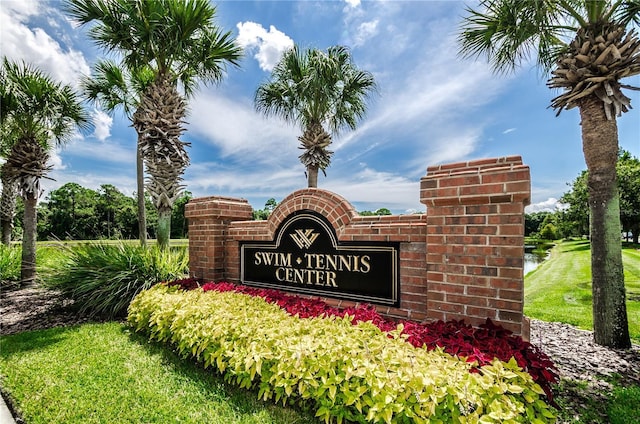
113,87
588,46
7,204
179,42
9,193
39,114
316,89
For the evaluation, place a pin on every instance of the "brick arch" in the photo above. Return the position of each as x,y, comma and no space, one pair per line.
338,211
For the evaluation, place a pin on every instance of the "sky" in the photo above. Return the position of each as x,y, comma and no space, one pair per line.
432,106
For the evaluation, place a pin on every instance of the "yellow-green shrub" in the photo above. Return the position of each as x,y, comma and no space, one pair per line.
345,372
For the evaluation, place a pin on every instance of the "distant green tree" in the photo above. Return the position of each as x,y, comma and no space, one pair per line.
549,232
78,213
628,170
379,212
576,216
262,214
73,213
179,228
533,222
116,214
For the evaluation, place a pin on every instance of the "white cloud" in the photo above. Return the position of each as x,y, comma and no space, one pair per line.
21,8
240,131
55,160
35,46
270,44
112,152
213,177
102,125
451,145
550,205
375,189
352,3
433,102
508,130
366,188
366,30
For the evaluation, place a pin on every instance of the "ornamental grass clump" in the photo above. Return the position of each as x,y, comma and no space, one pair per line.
10,258
102,279
344,372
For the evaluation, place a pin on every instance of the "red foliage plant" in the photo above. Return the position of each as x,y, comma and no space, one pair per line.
477,344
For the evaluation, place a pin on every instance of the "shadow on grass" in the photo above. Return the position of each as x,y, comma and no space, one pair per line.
244,401
18,344
577,246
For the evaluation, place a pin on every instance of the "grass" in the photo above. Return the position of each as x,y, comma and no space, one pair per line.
624,406
560,288
621,405
101,373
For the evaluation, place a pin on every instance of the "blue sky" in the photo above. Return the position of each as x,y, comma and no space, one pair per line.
433,107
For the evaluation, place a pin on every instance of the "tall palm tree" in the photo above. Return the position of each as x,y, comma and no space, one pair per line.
179,42
40,114
588,46
113,87
319,91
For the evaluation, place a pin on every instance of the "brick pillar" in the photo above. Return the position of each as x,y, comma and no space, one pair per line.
209,218
475,241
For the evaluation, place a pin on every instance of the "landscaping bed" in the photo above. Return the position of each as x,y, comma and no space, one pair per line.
345,365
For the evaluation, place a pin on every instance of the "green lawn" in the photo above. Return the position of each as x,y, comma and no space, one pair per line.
560,288
101,373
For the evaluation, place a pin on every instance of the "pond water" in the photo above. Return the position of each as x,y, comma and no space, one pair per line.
532,261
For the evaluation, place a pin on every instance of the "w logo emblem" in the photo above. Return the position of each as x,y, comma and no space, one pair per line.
304,238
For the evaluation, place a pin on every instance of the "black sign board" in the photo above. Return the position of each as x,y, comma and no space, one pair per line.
306,257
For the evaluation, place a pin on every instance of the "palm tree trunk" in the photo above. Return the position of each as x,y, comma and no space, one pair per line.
163,228
142,213
600,146
28,269
7,229
312,173
7,204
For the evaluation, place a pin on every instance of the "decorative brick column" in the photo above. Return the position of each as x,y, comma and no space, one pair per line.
475,241
209,218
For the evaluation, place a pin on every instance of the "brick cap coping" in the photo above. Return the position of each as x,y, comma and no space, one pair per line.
479,165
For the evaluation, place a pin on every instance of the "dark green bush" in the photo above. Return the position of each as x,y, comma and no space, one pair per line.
102,279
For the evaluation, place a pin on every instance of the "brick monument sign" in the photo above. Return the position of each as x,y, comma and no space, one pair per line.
462,259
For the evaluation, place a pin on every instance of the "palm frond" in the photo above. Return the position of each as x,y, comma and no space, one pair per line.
510,32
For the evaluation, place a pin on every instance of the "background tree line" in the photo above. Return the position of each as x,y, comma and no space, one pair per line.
73,212
573,221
